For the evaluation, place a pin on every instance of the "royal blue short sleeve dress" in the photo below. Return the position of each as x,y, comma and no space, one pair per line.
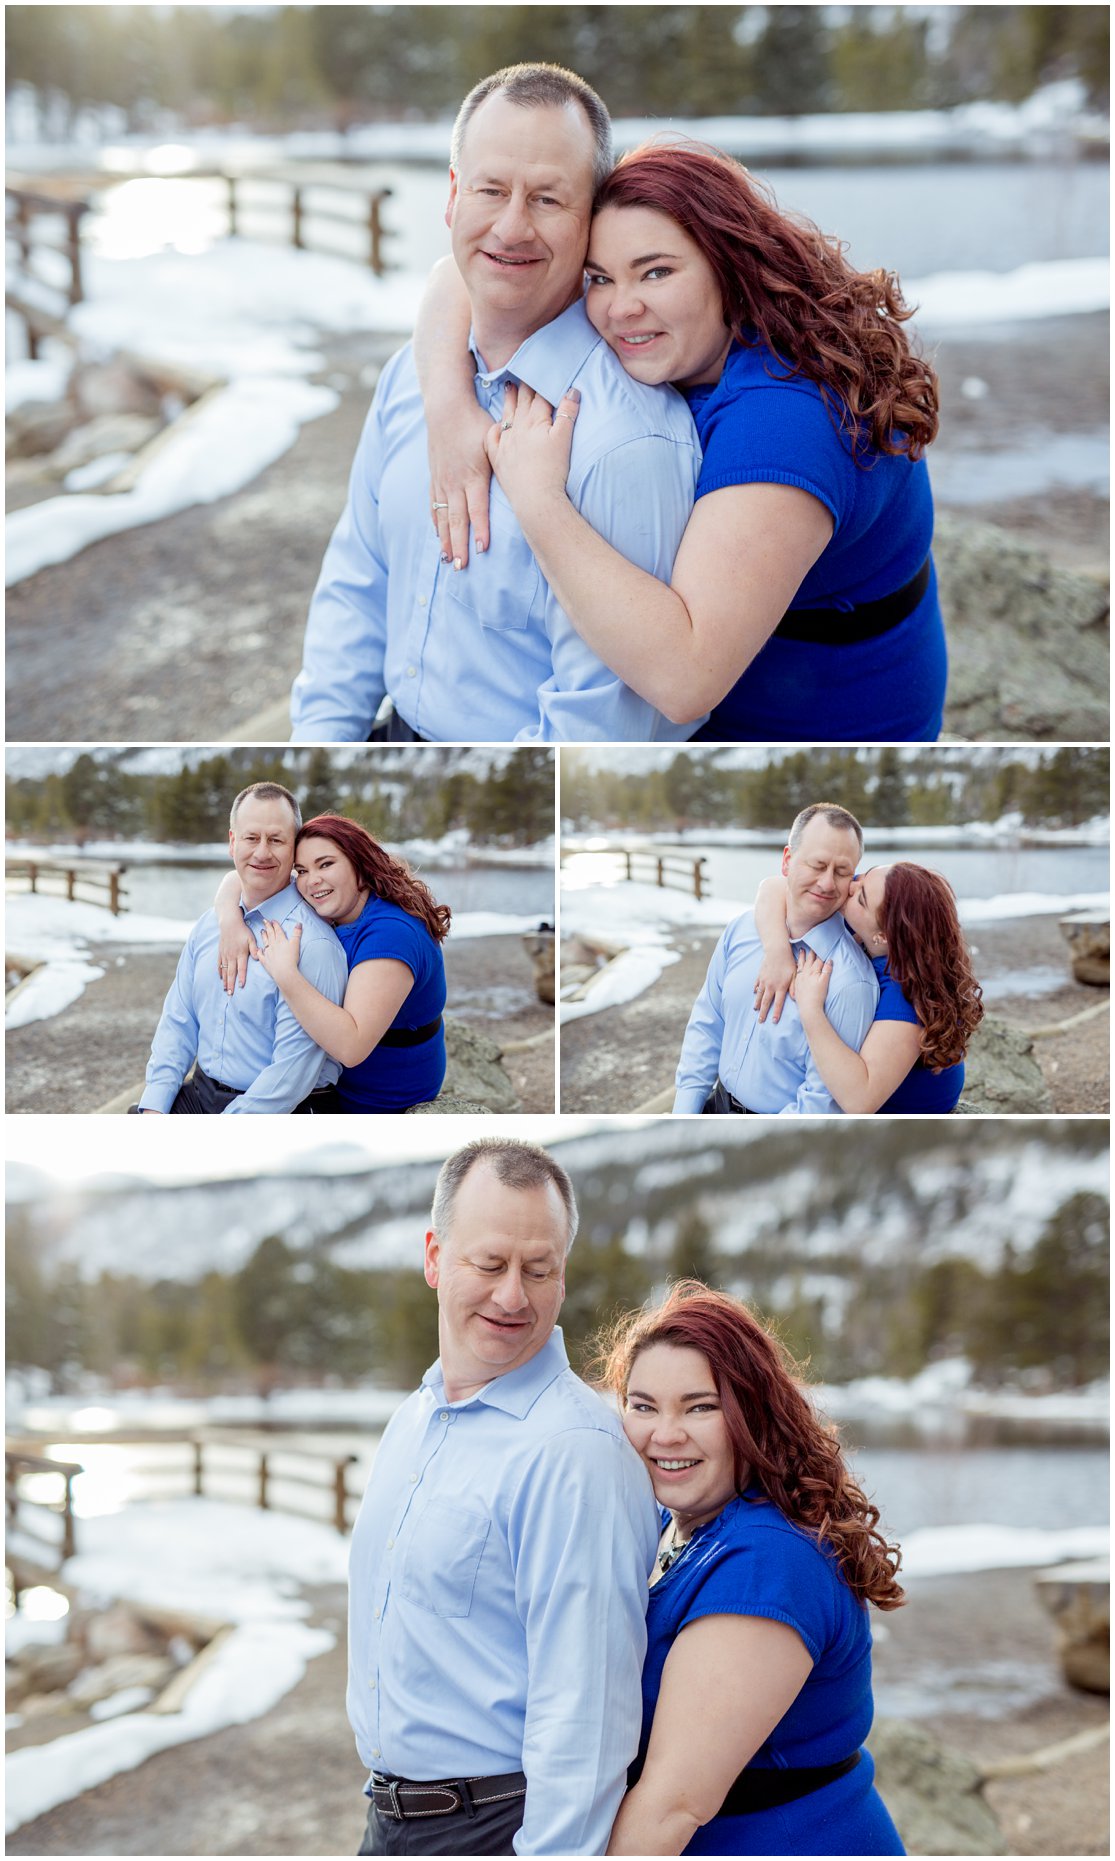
757,427
921,1090
750,1560
393,1078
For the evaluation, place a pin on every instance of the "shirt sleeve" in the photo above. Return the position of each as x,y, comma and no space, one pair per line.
638,497
704,1037
780,433
778,1575
296,1060
389,938
339,689
850,1006
174,1047
582,1545
892,1004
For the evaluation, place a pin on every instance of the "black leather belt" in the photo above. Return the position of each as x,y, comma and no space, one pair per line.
767,1789
834,626
409,1036
236,1091
400,1798
721,1100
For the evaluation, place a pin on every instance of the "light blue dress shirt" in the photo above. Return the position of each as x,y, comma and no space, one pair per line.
497,1597
767,1065
248,1039
485,654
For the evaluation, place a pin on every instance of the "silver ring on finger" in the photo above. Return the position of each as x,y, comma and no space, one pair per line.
506,425
441,507
570,417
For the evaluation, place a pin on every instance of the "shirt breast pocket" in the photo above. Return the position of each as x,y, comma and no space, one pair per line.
443,1558
503,588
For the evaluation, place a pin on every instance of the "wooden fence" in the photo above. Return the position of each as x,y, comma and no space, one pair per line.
677,871
375,231
258,1466
106,882
24,1515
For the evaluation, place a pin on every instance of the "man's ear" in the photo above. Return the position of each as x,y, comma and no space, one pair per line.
785,861
433,1255
231,840
452,201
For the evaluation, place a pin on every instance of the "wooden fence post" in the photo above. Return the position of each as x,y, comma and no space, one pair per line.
375,231
661,876
73,242
114,893
231,179
33,873
68,1520
698,878
296,213
263,1505
199,1470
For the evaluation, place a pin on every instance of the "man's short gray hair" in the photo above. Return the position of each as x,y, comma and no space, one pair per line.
266,791
536,87
834,815
517,1164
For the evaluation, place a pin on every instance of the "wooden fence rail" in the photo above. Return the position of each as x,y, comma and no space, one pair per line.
21,1512
104,881
677,871
376,232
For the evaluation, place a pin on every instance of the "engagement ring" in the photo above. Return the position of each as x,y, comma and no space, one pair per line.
506,425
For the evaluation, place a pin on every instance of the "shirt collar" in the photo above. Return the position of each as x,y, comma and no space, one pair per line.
276,905
549,360
825,938
517,1391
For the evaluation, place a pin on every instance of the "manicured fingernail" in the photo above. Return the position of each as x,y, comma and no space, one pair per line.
456,562
480,548
445,555
574,394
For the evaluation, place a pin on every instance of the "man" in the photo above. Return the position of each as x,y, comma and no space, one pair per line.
498,1576
731,1061
487,654
251,1054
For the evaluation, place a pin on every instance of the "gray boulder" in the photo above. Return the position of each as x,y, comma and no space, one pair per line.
474,1077
1028,641
932,1793
1001,1073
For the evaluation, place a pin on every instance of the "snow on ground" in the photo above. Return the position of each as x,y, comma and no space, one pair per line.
244,312
230,1563
58,933
953,1550
947,1387
490,924
365,1406
1006,905
1054,288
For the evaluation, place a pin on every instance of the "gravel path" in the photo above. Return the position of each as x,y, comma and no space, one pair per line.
618,1059
97,1048
186,630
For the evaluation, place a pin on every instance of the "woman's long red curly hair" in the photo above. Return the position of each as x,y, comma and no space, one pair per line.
778,1440
382,872
782,278
928,958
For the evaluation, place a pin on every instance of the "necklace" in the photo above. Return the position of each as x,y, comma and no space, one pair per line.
670,1553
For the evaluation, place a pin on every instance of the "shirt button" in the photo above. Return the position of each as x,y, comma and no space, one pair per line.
412,671
372,1685
444,1416
375,1751
421,600
378,1613
390,1544
414,1479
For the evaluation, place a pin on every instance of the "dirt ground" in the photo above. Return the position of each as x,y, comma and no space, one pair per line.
186,630
618,1059
78,1060
290,1783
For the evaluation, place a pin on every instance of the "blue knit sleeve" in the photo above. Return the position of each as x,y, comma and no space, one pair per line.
780,433
892,1004
775,1573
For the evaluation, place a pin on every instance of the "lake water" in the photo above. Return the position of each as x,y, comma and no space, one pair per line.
184,892
974,871
914,219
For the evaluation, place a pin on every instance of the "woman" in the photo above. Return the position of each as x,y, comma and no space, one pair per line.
929,1005
387,1033
757,1682
803,603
